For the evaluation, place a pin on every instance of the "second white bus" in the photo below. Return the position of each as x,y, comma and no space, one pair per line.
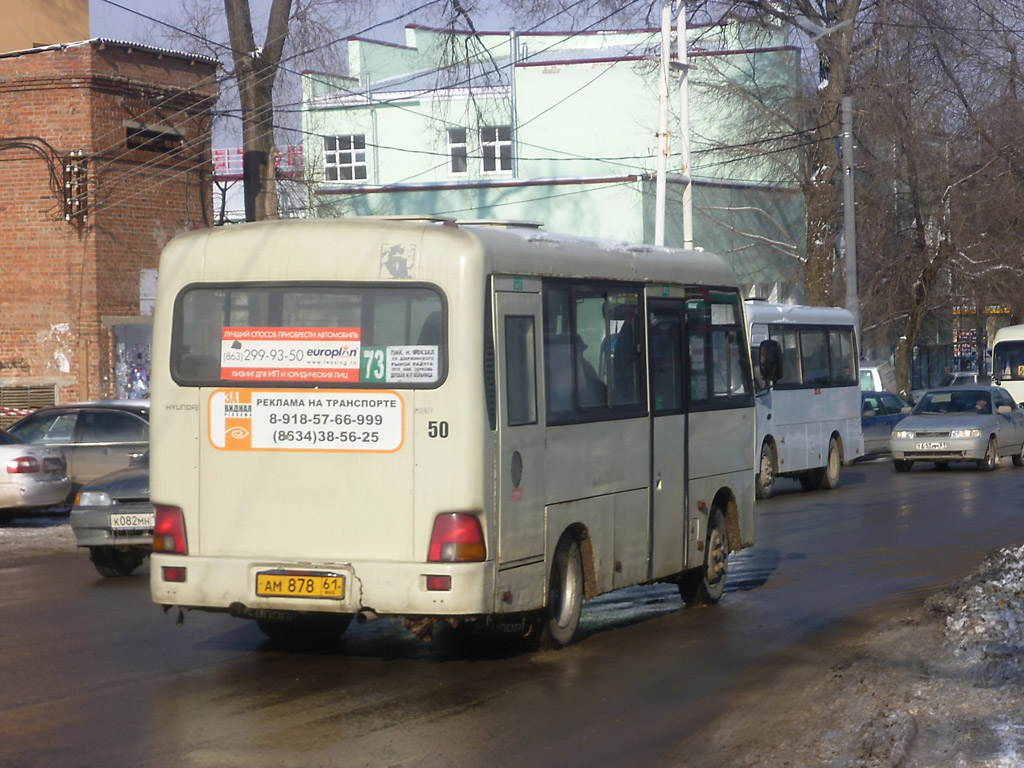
809,422
443,423
1008,361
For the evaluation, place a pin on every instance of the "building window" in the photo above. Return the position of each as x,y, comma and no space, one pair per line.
344,158
496,147
159,139
457,153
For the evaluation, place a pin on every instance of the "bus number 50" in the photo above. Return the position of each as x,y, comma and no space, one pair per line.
437,429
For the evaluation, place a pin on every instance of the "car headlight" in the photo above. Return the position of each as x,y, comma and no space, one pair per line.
965,433
94,499
902,434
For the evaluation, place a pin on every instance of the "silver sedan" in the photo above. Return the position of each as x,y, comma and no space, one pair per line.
31,476
977,424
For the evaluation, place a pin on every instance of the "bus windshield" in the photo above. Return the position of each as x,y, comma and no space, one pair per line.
1008,360
307,335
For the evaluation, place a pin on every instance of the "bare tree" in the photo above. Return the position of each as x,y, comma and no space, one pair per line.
256,70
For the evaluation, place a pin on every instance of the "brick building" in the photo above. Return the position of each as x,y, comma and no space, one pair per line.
104,156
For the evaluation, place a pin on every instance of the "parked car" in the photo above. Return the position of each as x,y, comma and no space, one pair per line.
949,379
978,424
877,376
97,438
34,477
113,518
881,411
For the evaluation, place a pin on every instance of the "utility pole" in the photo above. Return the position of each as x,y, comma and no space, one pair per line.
849,216
683,65
660,180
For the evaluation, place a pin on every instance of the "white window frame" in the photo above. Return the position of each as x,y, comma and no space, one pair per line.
496,149
345,158
458,150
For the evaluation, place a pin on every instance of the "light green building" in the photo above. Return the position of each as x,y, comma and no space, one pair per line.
561,129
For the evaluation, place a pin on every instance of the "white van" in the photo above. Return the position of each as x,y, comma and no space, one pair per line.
877,376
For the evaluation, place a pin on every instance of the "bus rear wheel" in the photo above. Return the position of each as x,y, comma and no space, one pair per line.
705,585
565,594
765,481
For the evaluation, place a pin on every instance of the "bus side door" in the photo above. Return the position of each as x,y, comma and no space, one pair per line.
520,452
666,337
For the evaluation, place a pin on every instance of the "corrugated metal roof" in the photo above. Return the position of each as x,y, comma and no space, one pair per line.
103,41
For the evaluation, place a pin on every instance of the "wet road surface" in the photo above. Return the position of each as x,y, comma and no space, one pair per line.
92,673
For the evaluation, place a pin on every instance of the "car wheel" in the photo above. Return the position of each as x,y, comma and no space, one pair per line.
111,562
1018,457
902,465
565,594
765,480
991,459
704,586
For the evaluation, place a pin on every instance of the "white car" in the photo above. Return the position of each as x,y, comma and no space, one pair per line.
33,477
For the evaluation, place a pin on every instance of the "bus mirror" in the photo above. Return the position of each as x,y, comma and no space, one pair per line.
770,354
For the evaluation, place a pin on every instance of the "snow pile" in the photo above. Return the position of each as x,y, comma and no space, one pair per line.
38,535
985,615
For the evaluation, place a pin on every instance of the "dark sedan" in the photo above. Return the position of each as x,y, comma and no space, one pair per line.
881,411
113,518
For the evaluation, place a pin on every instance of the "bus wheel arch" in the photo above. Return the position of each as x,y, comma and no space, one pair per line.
767,469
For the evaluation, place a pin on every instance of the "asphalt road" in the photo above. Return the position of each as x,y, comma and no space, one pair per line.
93,674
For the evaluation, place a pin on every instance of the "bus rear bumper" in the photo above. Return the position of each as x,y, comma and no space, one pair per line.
384,589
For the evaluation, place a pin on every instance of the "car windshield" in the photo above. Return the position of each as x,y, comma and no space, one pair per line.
965,401
7,439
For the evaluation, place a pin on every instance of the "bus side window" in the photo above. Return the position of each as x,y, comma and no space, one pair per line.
814,357
558,373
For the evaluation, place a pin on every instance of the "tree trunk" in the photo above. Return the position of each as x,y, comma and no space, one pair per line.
255,71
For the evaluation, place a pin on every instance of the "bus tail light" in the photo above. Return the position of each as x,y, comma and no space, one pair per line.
457,538
169,530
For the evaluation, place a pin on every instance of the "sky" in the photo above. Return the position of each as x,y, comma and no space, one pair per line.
116,19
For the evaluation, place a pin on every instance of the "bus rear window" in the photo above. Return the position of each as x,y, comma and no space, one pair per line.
309,335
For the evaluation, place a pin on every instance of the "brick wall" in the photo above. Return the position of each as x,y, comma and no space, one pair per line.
60,278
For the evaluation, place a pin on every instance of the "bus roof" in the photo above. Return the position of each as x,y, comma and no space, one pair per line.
504,250
796,314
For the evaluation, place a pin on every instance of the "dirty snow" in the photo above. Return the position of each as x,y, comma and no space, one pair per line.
35,535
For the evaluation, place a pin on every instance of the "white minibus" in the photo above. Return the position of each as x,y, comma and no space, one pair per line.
1008,361
362,418
809,422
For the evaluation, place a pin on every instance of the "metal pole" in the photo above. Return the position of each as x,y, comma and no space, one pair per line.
684,123
849,216
659,195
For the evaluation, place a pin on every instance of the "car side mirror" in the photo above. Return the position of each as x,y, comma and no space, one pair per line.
906,409
1004,409
868,413
770,361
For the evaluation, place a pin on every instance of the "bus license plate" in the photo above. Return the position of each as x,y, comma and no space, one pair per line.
132,521
931,446
329,586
